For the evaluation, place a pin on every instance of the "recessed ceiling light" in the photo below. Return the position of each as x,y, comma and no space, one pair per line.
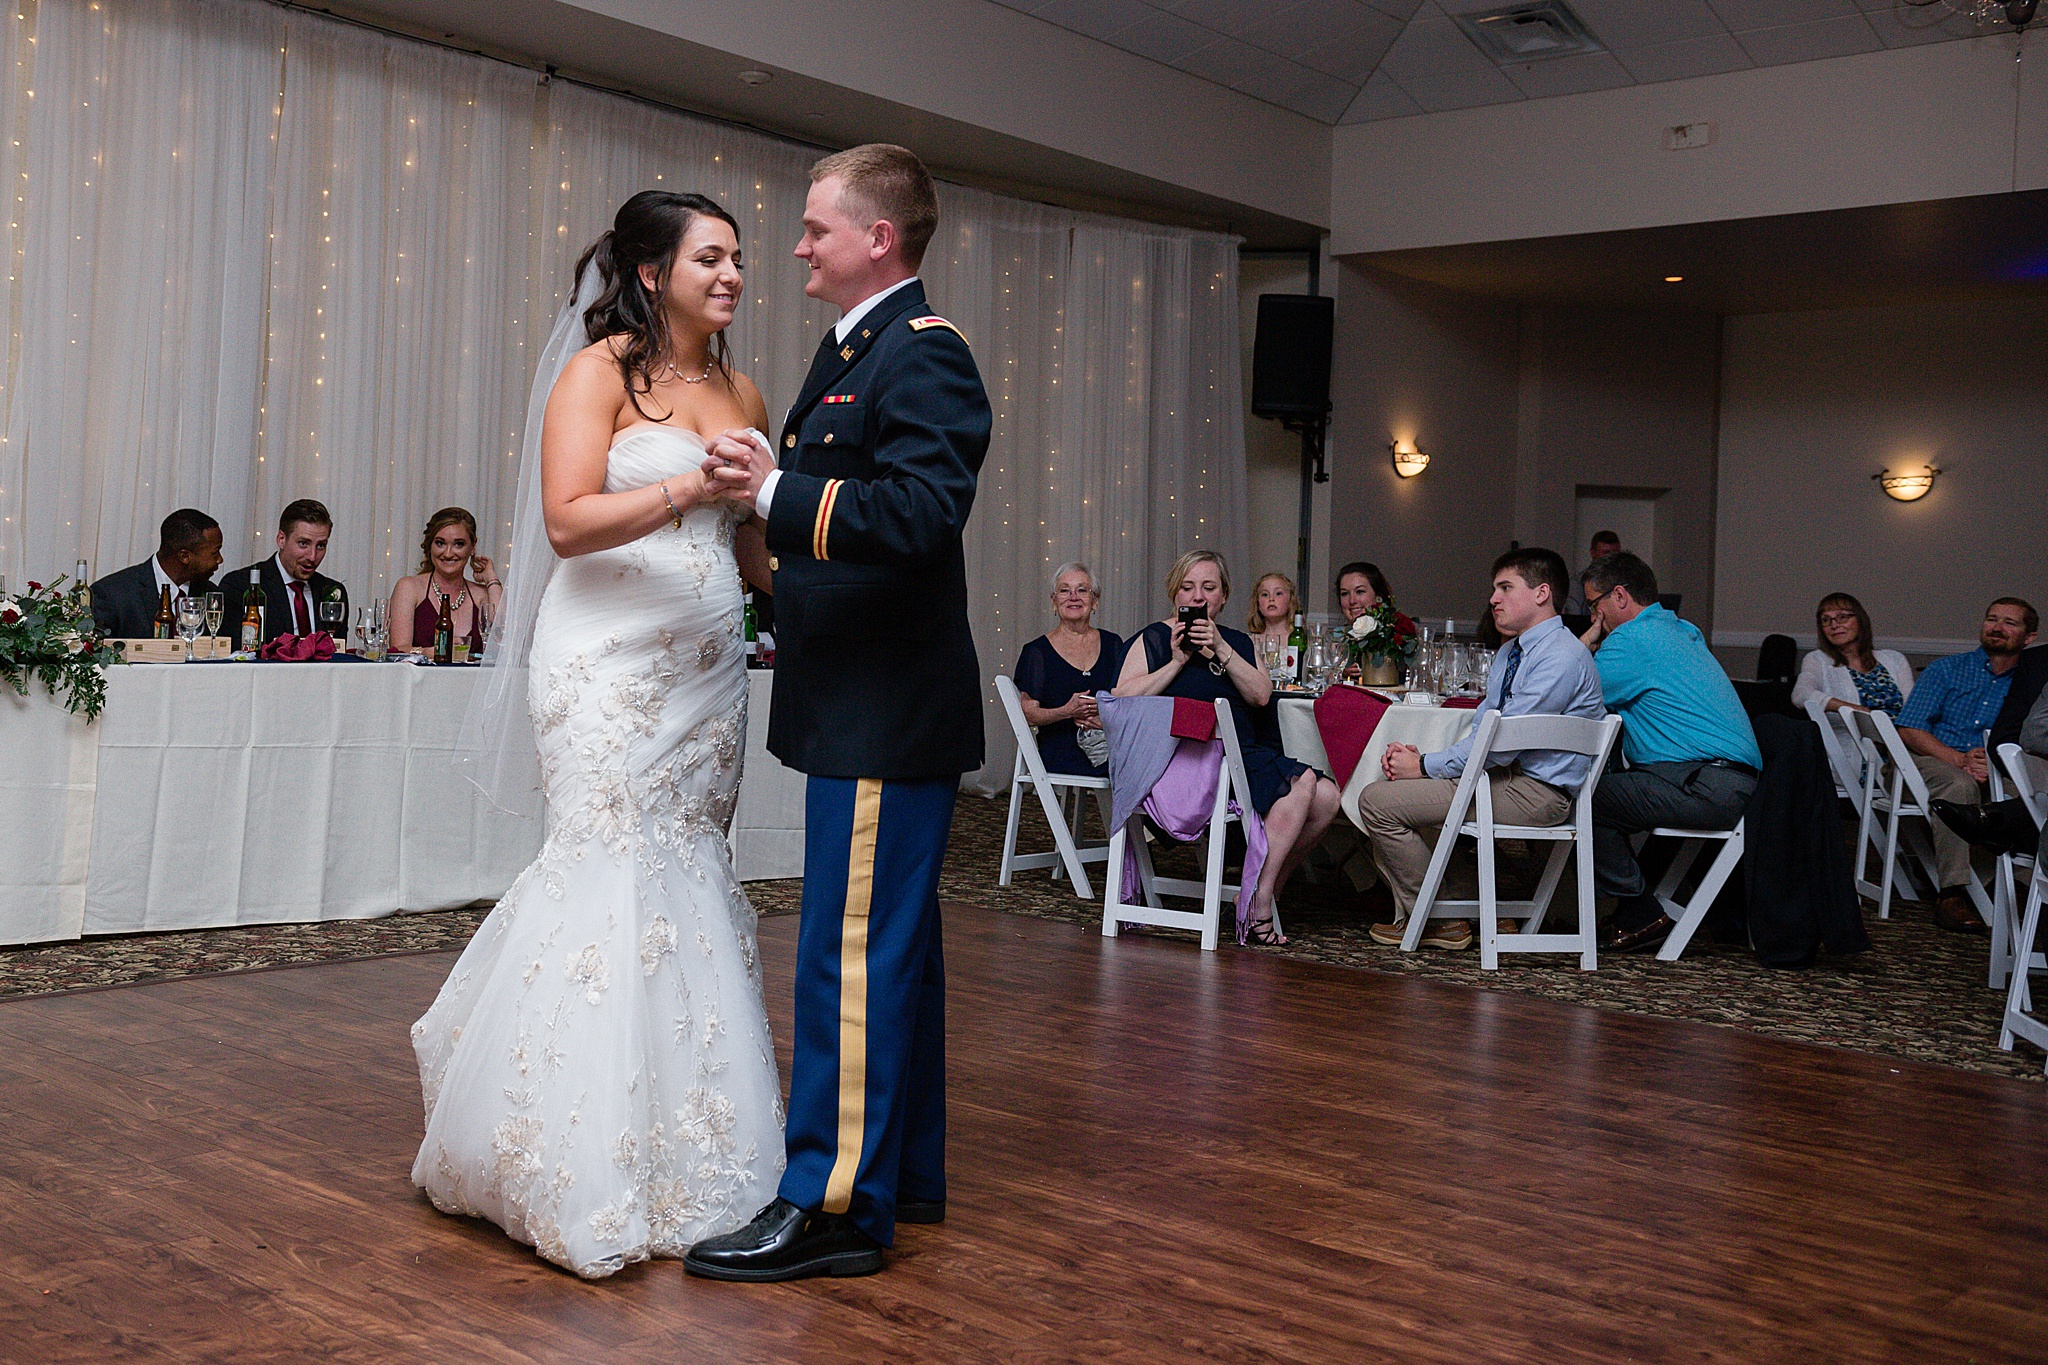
753,77
1673,279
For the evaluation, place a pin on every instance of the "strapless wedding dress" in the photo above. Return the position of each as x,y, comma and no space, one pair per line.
597,1070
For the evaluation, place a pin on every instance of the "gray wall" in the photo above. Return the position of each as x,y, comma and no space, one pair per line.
1518,410
1816,403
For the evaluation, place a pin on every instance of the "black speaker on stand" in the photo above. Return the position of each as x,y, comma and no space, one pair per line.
1291,382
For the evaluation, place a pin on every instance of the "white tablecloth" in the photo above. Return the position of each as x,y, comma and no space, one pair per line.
222,794
1428,728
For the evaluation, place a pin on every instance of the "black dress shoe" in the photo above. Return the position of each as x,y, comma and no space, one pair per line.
2002,826
1639,939
920,1210
785,1242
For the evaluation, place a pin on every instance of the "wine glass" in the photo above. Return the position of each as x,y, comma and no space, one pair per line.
216,603
334,619
191,616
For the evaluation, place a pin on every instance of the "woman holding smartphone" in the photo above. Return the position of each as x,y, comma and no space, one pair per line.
1190,654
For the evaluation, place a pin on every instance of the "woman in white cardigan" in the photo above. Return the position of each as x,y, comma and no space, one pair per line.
1845,669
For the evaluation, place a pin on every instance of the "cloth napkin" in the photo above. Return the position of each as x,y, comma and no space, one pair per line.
1193,720
1346,716
289,648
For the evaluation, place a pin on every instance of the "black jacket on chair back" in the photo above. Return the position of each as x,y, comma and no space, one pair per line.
1801,892
875,670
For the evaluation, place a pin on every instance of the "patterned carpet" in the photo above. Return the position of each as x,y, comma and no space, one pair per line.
1919,993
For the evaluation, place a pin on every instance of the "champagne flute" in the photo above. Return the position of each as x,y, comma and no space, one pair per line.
191,615
216,604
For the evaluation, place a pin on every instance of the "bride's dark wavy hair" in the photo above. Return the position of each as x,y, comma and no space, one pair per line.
648,230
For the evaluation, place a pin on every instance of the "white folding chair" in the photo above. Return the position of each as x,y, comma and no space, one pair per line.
1029,770
1572,734
1231,784
2010,943
1904,797
1689,915
1846,759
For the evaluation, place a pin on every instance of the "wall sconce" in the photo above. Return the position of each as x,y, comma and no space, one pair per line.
1410,462
1906,487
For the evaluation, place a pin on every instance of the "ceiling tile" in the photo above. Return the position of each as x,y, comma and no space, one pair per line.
1810,42
1461,90
1404,10
1740,15
1317,25
1902,26
1320,97
1229,17
1434,47
1622,24
1682,61
1380,99
1568,75
1094,18
1242,67
1164,38
1352,61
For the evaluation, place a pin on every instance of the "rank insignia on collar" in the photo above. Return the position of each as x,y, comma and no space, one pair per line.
846,352
837,398
920,324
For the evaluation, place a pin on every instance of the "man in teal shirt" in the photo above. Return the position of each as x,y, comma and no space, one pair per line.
1693,759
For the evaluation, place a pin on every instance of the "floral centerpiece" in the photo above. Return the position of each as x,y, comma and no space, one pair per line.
1381,640
48,633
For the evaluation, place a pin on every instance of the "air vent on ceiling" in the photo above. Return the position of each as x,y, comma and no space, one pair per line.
1530,32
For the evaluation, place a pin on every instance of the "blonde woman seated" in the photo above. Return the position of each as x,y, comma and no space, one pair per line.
1845,669
448,558
1275,604
1207,661
1059,673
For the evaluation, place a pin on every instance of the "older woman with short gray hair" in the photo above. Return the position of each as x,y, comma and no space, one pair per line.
1059,673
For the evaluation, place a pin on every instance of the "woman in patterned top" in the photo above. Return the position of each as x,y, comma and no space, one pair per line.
1845,669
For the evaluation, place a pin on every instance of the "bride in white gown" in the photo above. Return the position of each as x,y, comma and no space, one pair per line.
597,1069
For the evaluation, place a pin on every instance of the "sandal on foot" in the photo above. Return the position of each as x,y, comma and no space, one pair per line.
1261,933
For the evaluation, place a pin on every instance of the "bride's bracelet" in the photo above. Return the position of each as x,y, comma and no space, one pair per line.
677,524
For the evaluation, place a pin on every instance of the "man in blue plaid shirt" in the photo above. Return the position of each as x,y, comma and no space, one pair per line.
1954,702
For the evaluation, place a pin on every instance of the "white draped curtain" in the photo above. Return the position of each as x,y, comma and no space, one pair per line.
256,255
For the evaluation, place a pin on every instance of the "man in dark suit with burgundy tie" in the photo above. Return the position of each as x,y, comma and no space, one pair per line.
878,463
293,586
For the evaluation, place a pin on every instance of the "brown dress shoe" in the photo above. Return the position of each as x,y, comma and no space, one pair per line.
1954,912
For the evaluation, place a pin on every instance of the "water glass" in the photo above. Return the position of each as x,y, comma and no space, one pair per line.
191,616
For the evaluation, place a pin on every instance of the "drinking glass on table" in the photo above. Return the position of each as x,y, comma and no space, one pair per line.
191,616
334,619
216,604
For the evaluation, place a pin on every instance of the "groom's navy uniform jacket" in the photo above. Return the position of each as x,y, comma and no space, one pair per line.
878,699
875,674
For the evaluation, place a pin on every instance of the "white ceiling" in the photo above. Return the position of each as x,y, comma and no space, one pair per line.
1355,61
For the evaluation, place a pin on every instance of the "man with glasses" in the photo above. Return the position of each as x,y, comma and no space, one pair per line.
1955,701
1693,759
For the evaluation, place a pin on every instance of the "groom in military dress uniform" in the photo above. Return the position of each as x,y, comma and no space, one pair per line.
864,516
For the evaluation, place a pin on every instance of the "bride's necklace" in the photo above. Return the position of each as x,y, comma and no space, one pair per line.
686,378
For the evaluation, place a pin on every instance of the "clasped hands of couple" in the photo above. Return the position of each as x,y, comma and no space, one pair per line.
736,464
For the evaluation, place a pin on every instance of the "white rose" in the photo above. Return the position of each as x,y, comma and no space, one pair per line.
1364,628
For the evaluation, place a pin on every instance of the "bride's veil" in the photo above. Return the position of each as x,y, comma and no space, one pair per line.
495,748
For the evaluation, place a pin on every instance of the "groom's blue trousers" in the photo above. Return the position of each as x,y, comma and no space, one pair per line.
867,1092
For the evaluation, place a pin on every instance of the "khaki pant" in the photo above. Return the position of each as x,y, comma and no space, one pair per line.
1402,819
1947,782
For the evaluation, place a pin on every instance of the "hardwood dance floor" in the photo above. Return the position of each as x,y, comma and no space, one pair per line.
1157,1154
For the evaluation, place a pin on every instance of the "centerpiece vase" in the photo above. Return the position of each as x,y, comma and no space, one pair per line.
1380,670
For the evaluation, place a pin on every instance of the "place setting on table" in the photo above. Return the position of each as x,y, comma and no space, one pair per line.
1383,680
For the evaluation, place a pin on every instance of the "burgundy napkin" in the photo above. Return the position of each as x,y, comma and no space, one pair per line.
1346,716
1193,719
289,648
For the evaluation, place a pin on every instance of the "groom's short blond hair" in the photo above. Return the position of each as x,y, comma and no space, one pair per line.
879,180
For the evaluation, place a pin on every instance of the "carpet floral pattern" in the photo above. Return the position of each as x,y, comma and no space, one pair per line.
1919,993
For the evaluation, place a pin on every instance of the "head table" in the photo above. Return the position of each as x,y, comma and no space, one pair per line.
213,794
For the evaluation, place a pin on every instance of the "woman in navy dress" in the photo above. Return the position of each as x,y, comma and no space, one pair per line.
1206,661
1059,673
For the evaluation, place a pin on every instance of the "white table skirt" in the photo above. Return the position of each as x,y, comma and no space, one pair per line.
224,794
1428,728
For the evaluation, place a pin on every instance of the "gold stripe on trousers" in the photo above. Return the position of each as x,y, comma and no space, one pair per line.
853,994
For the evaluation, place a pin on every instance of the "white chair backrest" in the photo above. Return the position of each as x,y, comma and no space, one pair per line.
1569,734
2029,779
1836,738
1877,726
1233,755
1028,759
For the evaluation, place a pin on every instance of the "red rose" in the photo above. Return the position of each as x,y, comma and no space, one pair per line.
1403,627
34,586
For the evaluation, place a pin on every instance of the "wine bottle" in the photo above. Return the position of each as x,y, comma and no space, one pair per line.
162,628
444,633
751,631
252,614
1297,649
